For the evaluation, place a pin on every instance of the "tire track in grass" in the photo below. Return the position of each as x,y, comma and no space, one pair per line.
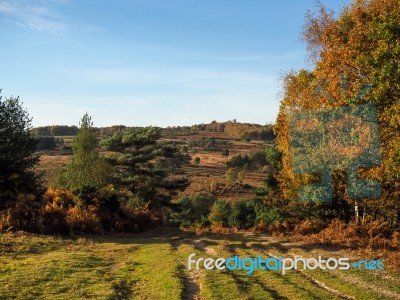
213,284
253,285
313,280
366,286
357,281
191,284
292,283
226,284
310,278
380,282
190,278
274,284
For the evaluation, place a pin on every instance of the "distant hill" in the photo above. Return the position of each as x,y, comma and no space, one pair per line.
232,129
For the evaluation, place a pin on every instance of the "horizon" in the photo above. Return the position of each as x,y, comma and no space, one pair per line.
163,127
160,63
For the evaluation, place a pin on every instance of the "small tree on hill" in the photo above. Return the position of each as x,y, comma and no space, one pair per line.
86,168
225,153
231,176
196,161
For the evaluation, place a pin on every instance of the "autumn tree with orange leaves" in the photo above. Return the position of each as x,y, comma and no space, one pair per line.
358,49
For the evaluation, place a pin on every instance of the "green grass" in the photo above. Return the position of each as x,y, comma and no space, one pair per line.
35,267
152,265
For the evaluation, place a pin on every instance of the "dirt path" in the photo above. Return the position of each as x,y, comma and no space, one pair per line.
192,287
190,278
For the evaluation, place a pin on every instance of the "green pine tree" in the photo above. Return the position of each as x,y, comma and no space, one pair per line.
139,173
87,168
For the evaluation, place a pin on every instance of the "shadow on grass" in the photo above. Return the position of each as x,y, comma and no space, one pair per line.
245,286
121,290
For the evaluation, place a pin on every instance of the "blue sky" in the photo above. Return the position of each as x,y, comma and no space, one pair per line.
150,62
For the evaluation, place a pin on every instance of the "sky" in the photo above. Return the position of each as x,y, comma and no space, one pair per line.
151,62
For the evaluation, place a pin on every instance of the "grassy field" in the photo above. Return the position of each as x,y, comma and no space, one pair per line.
153,265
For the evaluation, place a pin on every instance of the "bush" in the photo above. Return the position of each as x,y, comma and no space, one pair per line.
239,161
373,235
193,210
25,214
268,215
261,191
219,213
84,220
196,161
309,226
243,215
89,210
46,143
231,176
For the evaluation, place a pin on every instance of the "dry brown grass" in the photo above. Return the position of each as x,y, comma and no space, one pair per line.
371,240
49,163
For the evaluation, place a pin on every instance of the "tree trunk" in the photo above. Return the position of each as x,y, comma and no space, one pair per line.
356,210
398,219
364,211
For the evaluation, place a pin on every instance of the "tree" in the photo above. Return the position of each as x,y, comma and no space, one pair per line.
258,159
210,144
17,146
219,213
231,176
273,158
136,156
362,44
193,210
173,160
20,190
242,215
46,143
87,168
225,153
196,161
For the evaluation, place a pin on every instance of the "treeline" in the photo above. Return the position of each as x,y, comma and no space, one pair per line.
64,130
238,130
204,210
54,130
48,142
231,128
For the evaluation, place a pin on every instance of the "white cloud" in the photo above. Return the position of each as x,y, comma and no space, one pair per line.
35,15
